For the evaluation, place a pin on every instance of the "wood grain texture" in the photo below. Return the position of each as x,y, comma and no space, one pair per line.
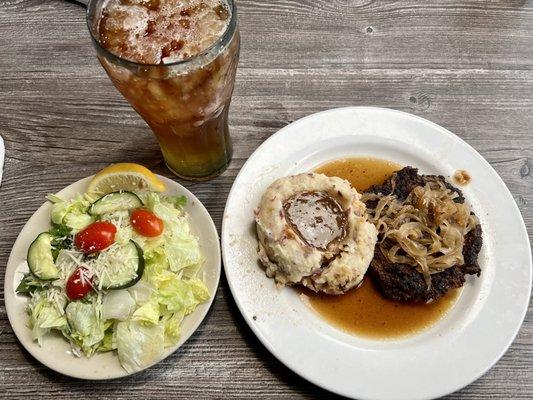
466,65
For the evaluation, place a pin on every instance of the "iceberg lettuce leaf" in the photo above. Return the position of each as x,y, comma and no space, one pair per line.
108,343
179,295
148,312
46,309
86,324
117,304
138,345
141,292
172,326
71,213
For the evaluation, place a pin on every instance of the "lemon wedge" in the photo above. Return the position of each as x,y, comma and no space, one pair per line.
125,176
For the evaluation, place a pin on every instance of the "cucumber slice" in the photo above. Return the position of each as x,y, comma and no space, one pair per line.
40,259
127,271
116,201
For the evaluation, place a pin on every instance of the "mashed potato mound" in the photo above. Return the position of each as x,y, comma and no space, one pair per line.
313,231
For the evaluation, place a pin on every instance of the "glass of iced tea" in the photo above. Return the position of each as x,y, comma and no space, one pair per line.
175,62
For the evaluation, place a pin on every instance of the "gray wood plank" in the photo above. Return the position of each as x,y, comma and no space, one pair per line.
466,65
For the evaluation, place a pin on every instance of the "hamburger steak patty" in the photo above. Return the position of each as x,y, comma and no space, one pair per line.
403,282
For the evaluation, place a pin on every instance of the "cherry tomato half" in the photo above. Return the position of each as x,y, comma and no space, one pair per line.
146,223
96,237
79,284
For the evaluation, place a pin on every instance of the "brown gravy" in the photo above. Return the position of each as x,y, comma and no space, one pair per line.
316,217
461,177
361,172
364,311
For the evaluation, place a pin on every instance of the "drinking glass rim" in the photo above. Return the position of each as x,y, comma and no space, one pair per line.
224,39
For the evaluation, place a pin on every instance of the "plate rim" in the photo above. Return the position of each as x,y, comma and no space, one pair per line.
208,305
253,325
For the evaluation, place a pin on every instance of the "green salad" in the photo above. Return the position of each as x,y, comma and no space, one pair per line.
119,272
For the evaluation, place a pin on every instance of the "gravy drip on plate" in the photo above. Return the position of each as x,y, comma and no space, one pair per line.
364,311
316,217
461,177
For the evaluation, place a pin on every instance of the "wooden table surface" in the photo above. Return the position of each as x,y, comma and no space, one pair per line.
466,65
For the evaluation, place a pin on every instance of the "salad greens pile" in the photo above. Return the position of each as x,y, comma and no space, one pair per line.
141,287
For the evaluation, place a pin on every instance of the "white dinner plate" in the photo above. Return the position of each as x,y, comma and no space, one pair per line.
444,358
55,352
